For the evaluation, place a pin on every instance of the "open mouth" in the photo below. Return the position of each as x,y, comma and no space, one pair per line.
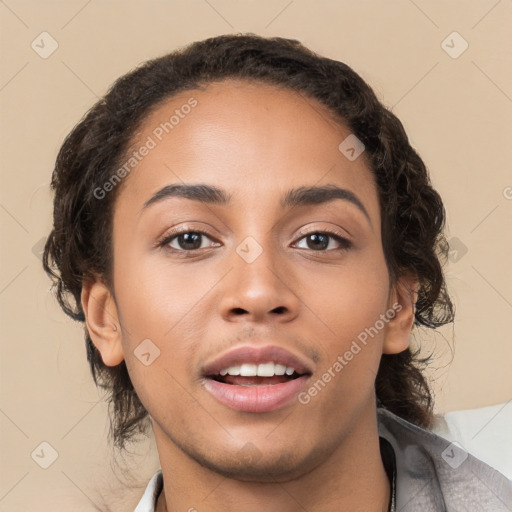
266,374
256,379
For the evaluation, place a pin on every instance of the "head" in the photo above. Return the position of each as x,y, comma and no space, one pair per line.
247,119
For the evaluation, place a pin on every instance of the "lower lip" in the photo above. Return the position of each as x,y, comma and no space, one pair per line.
256,398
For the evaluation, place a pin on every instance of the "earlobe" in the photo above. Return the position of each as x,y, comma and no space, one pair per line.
102,321
402,301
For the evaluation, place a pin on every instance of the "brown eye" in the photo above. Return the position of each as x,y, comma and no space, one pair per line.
317,241
321,240
189,241
186,241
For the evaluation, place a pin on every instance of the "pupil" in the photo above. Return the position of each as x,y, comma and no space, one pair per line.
318,241
186,239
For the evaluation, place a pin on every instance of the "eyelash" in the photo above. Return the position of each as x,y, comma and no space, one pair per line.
344,242
163,243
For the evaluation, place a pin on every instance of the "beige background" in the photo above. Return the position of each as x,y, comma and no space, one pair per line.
458,114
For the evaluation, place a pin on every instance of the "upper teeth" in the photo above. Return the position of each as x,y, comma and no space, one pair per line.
258,370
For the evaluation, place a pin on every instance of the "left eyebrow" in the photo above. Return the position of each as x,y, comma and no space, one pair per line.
302,196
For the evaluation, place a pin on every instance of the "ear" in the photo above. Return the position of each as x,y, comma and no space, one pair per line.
102,321
402,302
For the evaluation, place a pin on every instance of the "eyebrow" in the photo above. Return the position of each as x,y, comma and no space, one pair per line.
302,196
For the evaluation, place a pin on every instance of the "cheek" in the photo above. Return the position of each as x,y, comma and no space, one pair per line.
159,311
158,303
350,339
348,299
347,306
153,295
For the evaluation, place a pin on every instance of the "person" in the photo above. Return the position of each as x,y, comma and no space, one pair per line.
250,241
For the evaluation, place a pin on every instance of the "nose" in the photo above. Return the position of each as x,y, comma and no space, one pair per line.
259,291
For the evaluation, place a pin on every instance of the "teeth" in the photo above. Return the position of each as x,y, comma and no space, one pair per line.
248,370
266,370
260,370
279,369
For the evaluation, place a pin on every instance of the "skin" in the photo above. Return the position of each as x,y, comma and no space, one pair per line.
256,142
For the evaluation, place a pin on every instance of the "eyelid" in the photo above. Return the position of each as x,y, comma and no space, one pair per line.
165,239
305,231
329,230
169,235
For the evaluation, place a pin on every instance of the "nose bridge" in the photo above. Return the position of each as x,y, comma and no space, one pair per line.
256,261
257,284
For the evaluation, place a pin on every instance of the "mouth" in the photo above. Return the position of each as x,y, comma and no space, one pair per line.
265,374
256,380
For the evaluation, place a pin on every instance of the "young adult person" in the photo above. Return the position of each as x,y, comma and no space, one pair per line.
250,239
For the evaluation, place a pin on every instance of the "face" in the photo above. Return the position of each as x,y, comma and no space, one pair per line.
250,277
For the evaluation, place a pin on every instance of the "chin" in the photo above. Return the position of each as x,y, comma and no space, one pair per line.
250,465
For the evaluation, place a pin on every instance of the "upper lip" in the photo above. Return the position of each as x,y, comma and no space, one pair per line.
256,355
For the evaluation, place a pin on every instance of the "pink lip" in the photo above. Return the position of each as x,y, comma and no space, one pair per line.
261,398
256,398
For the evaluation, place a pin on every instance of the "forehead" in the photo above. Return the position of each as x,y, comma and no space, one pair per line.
252,139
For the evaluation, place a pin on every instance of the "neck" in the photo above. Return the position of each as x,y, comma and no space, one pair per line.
352,478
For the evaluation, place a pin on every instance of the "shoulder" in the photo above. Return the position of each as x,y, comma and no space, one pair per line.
435,474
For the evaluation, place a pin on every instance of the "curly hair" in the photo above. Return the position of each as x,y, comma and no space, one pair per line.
79,247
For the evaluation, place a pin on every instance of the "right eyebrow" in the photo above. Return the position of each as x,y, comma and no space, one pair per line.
204,193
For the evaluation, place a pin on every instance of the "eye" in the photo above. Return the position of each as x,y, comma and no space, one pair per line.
188,240
185,240
321,240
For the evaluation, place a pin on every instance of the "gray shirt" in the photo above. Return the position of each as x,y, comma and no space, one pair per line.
430,474
435,475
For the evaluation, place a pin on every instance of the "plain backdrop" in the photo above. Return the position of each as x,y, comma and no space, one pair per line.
443,67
